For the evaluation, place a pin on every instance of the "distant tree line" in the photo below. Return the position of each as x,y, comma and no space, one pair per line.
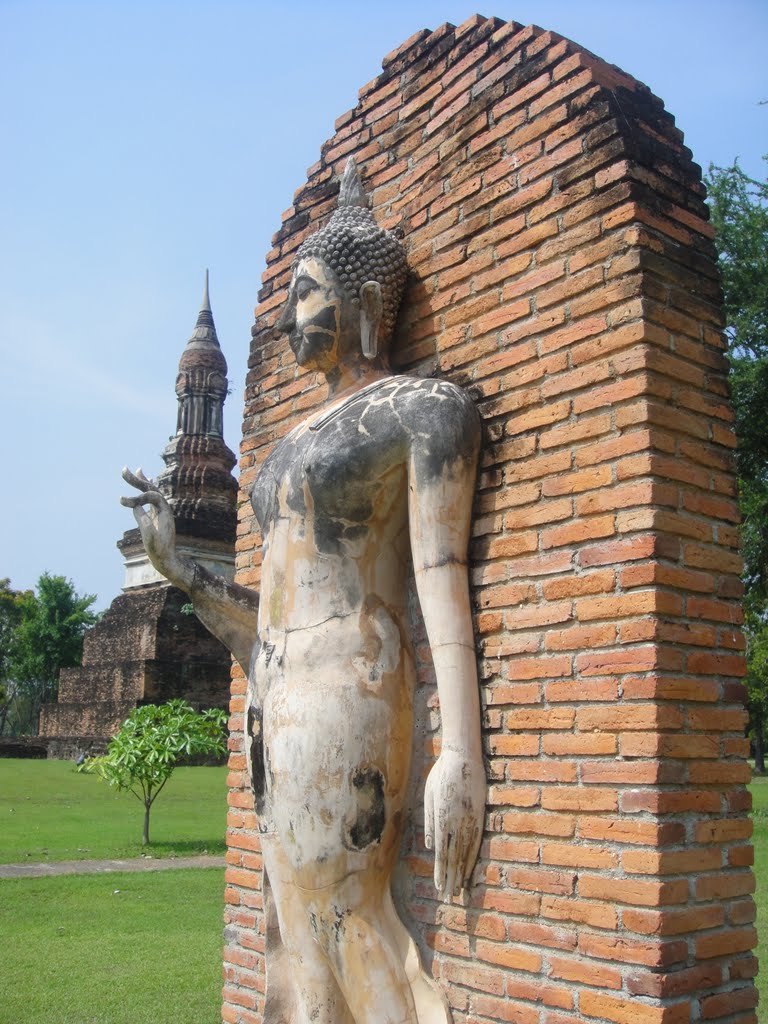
739,207
41,632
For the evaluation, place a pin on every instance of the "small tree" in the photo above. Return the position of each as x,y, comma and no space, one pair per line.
152,741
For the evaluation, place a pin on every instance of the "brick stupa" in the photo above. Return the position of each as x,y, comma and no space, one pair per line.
146,648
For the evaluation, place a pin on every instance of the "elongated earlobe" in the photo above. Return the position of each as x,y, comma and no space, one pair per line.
370,318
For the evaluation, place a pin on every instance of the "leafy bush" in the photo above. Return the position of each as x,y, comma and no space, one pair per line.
153,740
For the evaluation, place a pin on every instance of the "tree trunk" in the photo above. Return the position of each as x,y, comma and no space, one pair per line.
145,833
759,726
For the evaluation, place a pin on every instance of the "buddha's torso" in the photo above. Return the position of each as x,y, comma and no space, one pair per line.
330,691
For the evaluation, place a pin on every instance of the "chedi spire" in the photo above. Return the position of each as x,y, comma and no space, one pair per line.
201,385
198,479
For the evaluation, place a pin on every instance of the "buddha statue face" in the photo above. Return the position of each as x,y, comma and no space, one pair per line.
321,320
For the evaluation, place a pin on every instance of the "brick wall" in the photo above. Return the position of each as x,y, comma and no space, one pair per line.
562,269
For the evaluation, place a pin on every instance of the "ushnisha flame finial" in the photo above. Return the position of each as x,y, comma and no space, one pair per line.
357,250
351,191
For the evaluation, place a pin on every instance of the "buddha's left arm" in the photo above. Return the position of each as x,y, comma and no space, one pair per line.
442,477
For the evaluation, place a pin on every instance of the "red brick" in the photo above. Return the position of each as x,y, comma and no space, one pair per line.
578,744
707,663
741,857
728,942
671,862
537,933
538,823
632,1011
578,532
473,976
504,1010
542,880
634,659
542,771
725,830
620,606
582,690
633,773
578,585
568,855
626,718
676,983
633,890
743,912
595,914
725,886
652,953
623,830
539,990
578,799
514,746
573,483
727,1003
672,688
541,417
669,746
670,922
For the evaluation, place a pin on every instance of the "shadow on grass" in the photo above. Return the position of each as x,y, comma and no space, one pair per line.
187,848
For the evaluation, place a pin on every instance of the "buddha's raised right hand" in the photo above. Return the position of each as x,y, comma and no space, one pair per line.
156,525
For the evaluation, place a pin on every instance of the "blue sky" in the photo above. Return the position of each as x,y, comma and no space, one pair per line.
146,141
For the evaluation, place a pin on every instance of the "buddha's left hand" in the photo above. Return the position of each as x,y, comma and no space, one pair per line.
454,805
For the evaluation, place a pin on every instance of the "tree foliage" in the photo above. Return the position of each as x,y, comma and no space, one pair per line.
40,633
150,744
740,218
50,635
11,603
739,206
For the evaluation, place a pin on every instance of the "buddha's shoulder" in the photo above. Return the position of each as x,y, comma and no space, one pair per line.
399,399
400,390
431,400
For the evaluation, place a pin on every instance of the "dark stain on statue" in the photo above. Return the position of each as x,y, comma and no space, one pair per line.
279,467
338,922
258,775
371,812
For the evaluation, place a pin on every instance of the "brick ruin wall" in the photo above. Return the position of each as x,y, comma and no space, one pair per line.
144,649
563,270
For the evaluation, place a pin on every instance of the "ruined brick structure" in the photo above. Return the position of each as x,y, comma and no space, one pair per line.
146,649
562,269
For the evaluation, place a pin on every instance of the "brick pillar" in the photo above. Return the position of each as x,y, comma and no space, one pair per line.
563,270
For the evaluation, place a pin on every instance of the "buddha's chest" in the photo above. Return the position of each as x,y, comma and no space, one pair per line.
335,477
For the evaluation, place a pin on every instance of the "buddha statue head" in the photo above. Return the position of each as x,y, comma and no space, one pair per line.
348,281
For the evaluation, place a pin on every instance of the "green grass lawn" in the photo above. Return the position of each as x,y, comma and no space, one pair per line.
759,789
48,811
138,948
76,951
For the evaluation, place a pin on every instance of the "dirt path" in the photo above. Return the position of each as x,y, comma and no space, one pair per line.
96,867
